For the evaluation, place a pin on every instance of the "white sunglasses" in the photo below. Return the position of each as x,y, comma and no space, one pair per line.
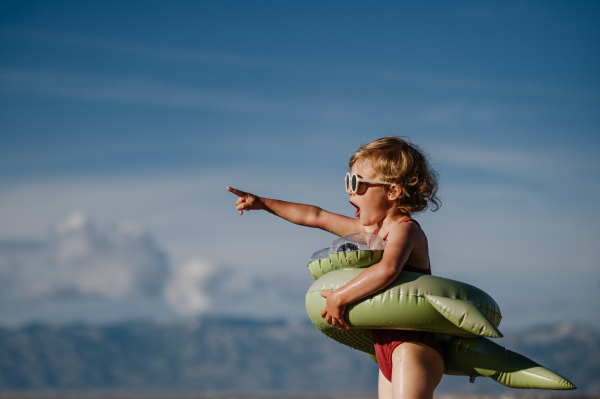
352,182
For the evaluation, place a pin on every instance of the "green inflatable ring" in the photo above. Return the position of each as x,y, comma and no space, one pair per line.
340,260
413,301
460,315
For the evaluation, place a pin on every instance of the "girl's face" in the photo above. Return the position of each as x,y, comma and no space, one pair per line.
370,200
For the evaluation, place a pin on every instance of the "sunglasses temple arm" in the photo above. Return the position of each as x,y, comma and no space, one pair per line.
373,181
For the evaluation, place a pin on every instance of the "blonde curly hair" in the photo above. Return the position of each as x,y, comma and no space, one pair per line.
398,161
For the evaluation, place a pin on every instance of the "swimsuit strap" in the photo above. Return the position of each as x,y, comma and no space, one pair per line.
408,219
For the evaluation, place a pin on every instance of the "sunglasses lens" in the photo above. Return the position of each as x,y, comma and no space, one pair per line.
354,183
347,181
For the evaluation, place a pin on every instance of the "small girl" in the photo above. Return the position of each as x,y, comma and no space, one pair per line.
389,180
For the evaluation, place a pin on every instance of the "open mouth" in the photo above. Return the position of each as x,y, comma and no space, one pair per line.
357,213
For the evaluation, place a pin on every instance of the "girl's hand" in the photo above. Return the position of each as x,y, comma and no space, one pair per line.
333,312
245,201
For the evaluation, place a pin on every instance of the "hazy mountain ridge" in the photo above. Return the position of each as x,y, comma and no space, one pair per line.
205,355
243,355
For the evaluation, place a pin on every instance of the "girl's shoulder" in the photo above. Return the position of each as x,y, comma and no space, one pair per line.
405,225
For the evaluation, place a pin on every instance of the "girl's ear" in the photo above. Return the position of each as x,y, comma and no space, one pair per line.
394,192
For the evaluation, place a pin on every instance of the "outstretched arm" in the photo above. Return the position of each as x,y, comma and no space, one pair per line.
304,215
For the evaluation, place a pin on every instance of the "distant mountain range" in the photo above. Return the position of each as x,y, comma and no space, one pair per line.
212,355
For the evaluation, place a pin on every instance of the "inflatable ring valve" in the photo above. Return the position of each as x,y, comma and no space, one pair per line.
351,251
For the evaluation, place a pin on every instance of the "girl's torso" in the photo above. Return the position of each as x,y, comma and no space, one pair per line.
418,260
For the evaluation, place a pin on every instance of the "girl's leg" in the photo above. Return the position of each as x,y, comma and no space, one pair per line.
384,387
417,369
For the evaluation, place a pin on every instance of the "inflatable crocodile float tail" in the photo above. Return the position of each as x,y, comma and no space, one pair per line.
480,357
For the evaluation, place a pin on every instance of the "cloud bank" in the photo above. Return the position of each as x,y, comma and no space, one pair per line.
83,271
79,260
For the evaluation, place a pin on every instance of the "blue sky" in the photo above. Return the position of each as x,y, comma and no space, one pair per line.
121,123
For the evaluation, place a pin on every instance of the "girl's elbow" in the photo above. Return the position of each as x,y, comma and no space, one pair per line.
390,273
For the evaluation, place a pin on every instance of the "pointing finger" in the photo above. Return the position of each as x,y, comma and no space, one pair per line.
236,192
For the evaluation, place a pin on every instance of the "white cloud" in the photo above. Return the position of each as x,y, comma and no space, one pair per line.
154,51
565,168
119,271
489,87
198,56
184,291
79,259
125,90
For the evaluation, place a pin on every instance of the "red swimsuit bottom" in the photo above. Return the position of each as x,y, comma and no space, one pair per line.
388,340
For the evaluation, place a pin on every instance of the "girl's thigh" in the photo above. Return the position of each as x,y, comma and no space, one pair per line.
384,387
417,369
